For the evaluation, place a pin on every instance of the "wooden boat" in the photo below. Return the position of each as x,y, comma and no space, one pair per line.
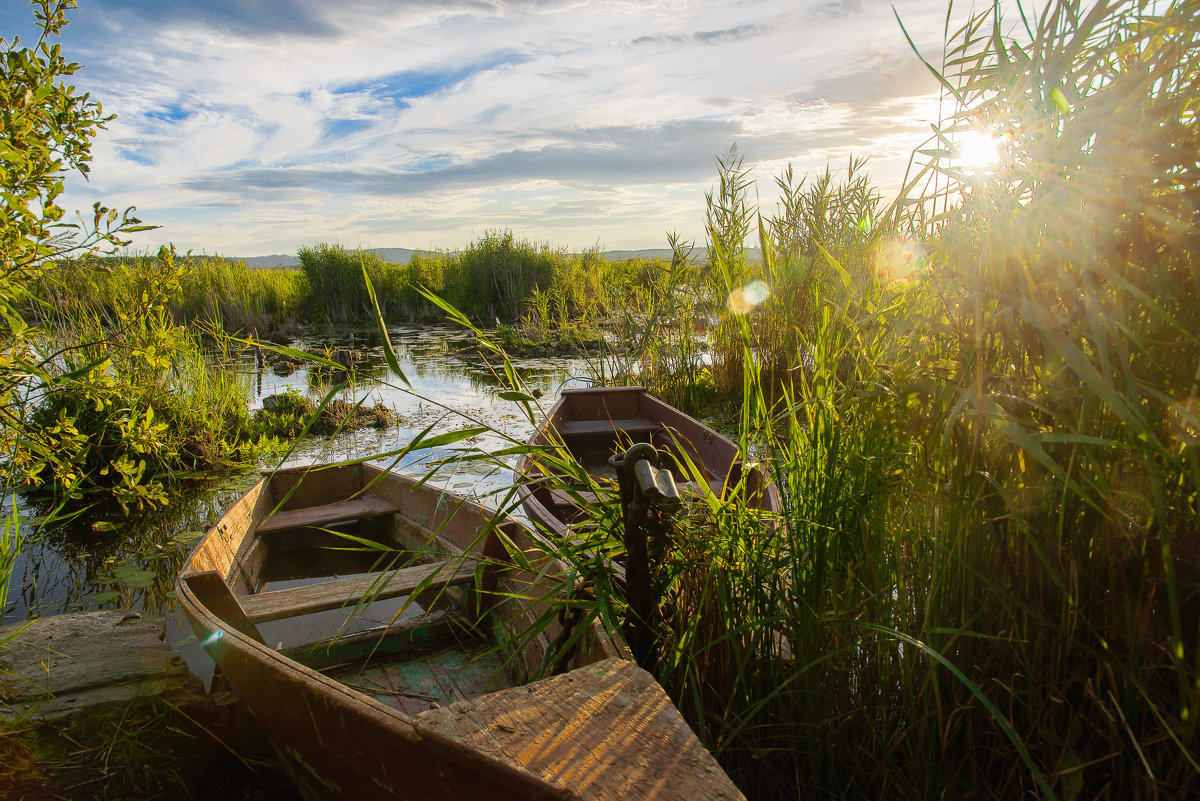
424,704
594,423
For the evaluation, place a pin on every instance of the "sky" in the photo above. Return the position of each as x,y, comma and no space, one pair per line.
254,127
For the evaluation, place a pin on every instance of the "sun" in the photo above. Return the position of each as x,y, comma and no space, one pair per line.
979,151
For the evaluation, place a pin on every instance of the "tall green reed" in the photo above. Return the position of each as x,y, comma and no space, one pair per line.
12,541
209,290
986,574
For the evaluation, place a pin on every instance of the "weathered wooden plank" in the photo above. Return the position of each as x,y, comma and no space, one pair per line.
575,497
215,594
63,666
595,403
225,549
314,485
327,515
581,427
430,629
348,592
605,731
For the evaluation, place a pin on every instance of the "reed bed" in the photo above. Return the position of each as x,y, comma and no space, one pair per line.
545,292
979,405
209,291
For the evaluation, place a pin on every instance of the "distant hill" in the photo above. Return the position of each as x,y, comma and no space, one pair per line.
403,255
662,254
390,255
267,261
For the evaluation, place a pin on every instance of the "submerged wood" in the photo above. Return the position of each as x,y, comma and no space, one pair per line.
431,708
593,423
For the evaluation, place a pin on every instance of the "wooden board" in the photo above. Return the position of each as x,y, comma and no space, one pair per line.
225,548
327,515
428,630
438,677
581,427
63,666
314,485
605,731
575,497
348,592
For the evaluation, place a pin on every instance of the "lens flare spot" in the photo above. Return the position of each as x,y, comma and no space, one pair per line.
743,299
894,260
211,640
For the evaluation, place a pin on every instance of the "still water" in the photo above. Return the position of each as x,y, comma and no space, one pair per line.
76,568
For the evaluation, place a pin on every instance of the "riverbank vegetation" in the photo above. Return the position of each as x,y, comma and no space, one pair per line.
135,402
540,292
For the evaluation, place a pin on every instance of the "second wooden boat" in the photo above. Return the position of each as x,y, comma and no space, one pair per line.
421,685
594,423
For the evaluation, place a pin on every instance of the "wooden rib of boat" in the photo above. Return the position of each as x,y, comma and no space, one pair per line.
596,422
430,704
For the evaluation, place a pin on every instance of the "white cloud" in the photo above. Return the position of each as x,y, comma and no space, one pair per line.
421,124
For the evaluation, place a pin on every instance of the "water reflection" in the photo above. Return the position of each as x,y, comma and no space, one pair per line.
76,568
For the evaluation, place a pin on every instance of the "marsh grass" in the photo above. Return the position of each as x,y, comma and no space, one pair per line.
979,405
210,291
10,548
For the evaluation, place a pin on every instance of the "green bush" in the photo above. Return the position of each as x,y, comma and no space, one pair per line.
135,403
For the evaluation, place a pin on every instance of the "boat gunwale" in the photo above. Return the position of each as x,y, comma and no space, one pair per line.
548,434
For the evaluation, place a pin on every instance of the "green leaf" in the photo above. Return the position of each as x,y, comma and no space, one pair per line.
449,438
133,577
389,353
1060,100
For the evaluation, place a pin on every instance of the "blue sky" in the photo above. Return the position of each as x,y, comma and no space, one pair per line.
248,127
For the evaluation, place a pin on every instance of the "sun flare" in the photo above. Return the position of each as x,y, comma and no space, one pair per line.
978,150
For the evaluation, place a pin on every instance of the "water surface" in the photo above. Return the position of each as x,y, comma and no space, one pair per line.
76,568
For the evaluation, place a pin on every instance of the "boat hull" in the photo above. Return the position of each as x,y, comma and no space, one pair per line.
601,729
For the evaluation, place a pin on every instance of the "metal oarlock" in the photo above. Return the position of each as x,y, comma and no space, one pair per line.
657,484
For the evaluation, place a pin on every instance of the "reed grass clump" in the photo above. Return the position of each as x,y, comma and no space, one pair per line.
979,406
210,291
335,280
241,299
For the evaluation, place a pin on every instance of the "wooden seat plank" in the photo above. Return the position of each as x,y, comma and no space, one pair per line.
575,497
578,427
348,592
327,515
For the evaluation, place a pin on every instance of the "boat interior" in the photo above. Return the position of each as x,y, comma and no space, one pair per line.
358,577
